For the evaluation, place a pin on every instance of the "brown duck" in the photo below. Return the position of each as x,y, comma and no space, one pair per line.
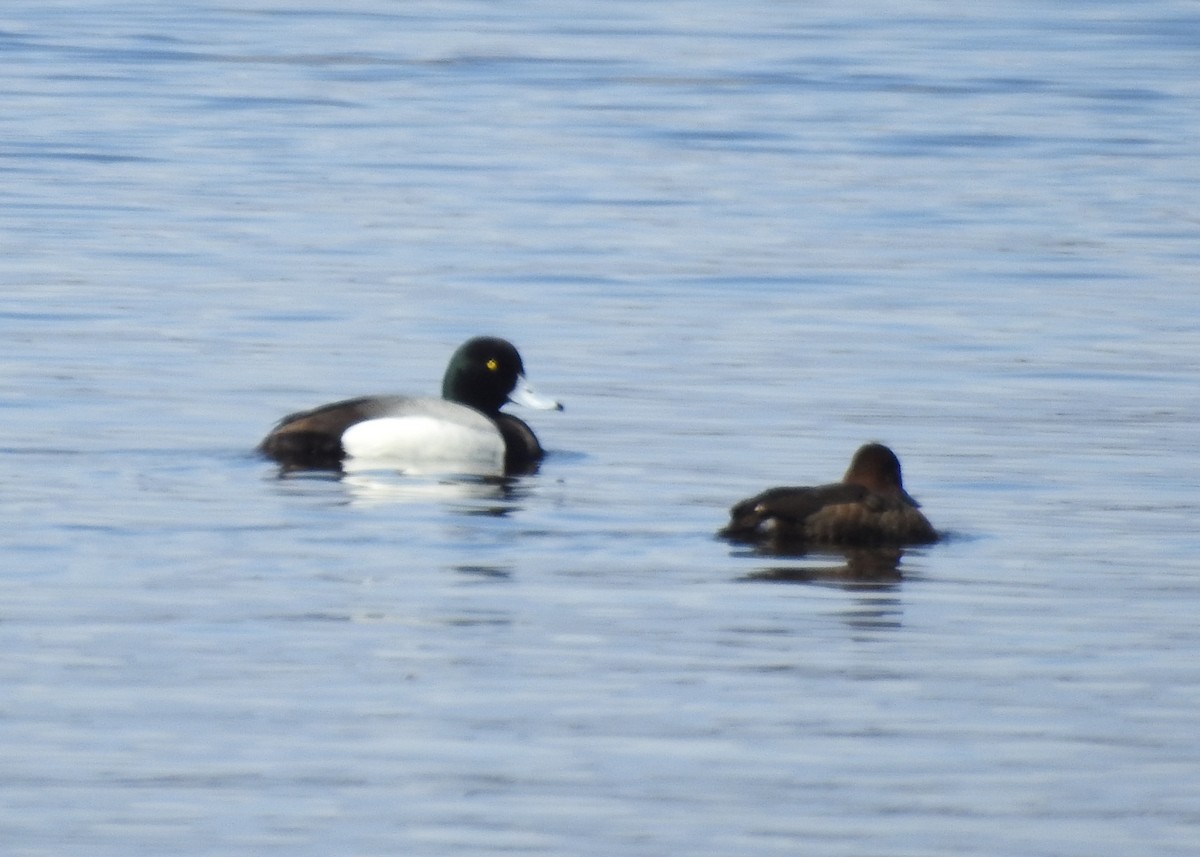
868,507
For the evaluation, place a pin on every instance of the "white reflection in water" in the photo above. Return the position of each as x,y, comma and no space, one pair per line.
375,487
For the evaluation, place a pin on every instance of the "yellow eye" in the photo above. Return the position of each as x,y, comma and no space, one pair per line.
492,365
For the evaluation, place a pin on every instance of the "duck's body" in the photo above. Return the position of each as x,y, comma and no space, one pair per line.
422,433
463,432
868,507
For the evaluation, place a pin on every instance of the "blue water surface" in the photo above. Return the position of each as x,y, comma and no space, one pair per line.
738,240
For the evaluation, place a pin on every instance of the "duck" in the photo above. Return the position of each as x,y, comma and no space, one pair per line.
869,507
462,432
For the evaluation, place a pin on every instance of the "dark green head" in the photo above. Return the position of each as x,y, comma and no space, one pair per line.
485,372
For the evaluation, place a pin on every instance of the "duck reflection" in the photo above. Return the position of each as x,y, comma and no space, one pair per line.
487,496
483,572
859,568
871,574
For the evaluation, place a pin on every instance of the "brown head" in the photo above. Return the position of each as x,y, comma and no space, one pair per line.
876,468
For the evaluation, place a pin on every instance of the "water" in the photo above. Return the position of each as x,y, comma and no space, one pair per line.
737,242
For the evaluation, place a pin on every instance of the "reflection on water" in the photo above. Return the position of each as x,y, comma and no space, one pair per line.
872,575
858,568
482,495
485,572
874,613
467,494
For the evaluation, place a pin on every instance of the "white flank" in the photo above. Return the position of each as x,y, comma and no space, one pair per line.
424,444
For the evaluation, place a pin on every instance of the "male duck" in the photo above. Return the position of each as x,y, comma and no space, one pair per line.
868,507
462,432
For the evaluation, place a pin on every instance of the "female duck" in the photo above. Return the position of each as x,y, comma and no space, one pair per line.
868,507
462,432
